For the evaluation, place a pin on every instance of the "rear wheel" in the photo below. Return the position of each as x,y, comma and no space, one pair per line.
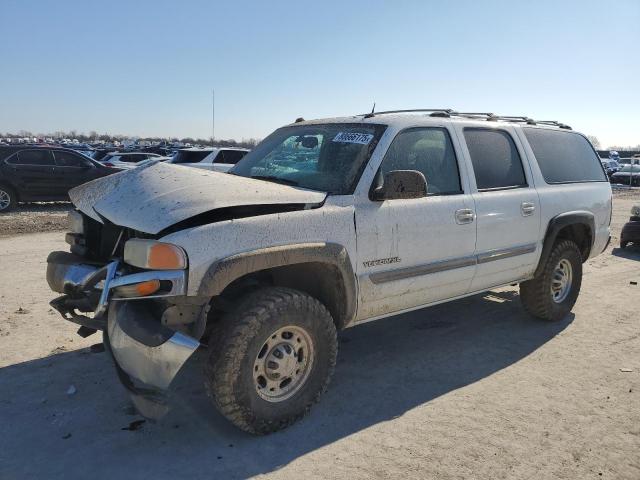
271,359
7,198
553,293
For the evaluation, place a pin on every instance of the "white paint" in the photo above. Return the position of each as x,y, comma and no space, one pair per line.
157,195
417,231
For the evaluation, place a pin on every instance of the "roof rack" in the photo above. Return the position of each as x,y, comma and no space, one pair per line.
490,117
413,110
553,123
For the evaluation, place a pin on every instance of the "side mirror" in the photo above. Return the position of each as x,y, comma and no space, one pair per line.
400,184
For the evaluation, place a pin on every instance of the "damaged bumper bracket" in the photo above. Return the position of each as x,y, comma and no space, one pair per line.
147,354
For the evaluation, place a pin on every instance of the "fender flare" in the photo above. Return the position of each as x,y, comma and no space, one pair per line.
223,272
556,224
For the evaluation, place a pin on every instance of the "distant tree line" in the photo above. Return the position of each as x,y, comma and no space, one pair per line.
93,137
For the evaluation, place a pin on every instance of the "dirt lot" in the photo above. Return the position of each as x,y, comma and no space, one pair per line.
472,389
35,217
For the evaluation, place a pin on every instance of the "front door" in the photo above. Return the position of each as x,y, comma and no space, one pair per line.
418,251
71,170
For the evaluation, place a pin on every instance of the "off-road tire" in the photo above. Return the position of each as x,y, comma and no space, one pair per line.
12,198
536,294
236,342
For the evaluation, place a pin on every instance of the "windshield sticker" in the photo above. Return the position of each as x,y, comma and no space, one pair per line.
350,137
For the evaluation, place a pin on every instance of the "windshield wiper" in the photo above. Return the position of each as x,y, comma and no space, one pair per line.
272,178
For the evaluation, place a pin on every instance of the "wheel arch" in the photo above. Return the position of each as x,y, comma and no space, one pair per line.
323,270
578,226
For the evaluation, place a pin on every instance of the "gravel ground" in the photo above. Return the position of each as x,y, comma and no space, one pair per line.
34,217
470,389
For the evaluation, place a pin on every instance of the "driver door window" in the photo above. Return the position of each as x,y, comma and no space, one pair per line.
429,151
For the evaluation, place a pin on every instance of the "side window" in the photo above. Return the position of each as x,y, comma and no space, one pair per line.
430,151
230,156
33,157
564,156
66,159
495,158
221,157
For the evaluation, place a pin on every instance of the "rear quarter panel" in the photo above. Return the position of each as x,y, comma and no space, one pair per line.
594,197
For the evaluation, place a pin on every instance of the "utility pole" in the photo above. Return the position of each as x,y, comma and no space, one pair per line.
213,116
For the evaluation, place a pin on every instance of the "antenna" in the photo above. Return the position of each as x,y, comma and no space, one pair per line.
373,109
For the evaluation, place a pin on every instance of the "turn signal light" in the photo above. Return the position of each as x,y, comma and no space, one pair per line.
154,255
141,289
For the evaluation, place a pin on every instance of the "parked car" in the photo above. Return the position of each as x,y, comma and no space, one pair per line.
99,153
218,159
127,160
610,166
631,229
261,264
627,175
29,174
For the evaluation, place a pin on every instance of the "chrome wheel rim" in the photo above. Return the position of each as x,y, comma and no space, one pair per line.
5,200
561,281
283,364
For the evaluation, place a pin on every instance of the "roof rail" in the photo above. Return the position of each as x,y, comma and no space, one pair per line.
553,123
488,116
413,110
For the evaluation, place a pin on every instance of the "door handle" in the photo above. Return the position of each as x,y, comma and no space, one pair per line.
464,216
527,209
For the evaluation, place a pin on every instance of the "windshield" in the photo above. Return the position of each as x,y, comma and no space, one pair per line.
326,157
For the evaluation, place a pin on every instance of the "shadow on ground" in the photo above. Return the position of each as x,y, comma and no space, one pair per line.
632,252
385,369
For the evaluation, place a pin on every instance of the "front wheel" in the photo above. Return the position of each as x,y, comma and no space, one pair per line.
553,293
271,359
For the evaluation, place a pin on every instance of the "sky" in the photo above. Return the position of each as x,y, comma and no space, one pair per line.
147,68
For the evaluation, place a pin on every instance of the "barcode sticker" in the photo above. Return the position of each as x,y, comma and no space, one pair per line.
351,137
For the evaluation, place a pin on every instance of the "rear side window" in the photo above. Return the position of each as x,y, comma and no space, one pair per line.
495,158
229,156
33,157
186,156
564,157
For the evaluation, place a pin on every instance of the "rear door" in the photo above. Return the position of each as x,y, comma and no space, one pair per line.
506,203
32,170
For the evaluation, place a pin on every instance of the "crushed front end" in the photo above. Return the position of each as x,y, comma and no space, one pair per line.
133,289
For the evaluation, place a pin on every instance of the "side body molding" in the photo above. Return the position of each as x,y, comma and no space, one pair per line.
224,271
557,223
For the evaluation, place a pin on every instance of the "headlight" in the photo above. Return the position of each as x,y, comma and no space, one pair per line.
635,211
154,255
76,222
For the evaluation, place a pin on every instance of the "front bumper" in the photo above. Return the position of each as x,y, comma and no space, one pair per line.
147,354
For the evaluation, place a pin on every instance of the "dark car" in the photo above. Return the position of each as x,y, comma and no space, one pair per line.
30,173
631,230
628,175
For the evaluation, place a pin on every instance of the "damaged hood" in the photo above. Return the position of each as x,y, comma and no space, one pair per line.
156,195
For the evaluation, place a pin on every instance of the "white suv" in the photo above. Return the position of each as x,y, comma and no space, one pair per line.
217,159
325,225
